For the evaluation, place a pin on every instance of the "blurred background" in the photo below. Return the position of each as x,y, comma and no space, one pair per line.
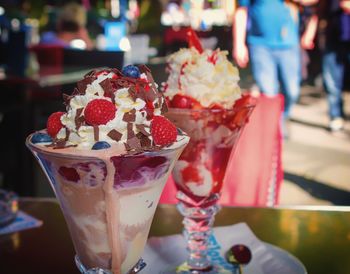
46,46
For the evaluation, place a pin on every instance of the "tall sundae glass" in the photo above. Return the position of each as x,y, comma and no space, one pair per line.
107,159
206,102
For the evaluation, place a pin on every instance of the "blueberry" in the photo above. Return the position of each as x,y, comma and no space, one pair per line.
101,145
41,138
131,71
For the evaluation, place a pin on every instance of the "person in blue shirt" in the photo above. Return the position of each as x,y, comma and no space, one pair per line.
334,27
266,33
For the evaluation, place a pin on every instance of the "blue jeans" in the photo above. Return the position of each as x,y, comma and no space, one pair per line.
272,67
333,64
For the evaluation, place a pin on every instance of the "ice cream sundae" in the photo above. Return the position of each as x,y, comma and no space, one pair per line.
206,102
108,157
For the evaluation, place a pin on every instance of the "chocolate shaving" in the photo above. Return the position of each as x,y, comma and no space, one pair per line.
133,93
96,133
156,104
130,131
145,141
134,143
90,73
82,84
59,143
75,92
79,119
144,69
122,83
116,71
164,108
108,89
115,135
130,150
64,146
130,116
66,98
67,134
142,129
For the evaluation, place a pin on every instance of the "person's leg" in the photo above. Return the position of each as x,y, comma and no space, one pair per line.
289,69
333,73
264,70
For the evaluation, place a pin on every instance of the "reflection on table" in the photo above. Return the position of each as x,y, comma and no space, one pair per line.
318,236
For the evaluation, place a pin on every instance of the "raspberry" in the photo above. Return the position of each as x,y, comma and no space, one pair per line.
54,123
163,131
99,112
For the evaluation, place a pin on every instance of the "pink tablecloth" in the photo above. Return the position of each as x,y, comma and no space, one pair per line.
254,173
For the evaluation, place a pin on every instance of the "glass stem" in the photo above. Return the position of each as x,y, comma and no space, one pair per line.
198,223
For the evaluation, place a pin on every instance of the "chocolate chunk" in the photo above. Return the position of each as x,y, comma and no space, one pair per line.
108,89
82,84
142,129
79,119
116,71
66,98
156,104
164,108
75,92
90,73
67,134
134,143
115,135
130,116
60,143
96,133
145,142
133,93
130,131
123,83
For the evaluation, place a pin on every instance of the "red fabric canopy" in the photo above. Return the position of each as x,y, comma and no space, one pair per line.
254,173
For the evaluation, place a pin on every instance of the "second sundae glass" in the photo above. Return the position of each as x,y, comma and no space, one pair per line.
200,172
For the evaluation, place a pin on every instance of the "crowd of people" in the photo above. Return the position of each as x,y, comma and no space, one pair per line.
268,34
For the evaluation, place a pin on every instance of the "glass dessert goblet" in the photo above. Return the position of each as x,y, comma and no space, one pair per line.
200,172
108,200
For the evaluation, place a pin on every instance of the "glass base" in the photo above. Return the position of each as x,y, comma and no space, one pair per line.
186,269
96,270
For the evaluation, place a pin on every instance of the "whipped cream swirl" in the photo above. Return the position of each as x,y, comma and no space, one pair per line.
207,77
135,100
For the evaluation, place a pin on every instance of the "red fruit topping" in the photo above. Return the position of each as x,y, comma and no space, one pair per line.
54,123
216,106
182,72
213,58
193,40
99,112
190,174
69,173
163,131
184,101
244,101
